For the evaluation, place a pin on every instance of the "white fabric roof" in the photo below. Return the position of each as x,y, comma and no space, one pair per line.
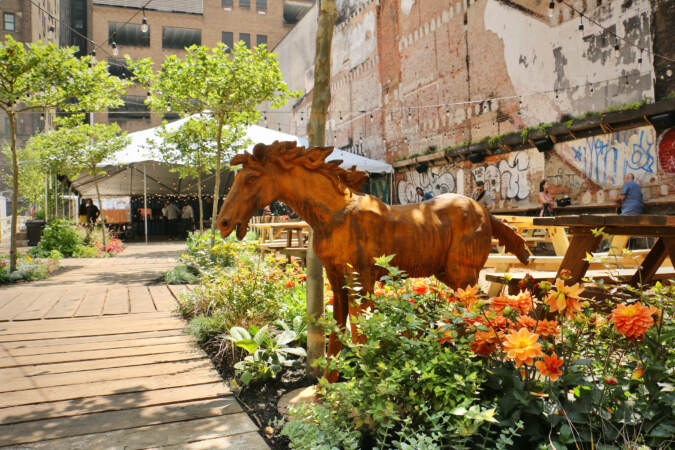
139,151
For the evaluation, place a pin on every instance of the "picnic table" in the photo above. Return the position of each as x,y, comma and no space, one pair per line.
585,241
278,236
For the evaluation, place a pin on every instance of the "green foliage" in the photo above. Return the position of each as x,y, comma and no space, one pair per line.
181,274
627,106
267,353
31,176
85,251
60,235
205,328
28,268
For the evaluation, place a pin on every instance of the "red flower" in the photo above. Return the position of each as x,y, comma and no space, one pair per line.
420,288
549,366
611,381
290,284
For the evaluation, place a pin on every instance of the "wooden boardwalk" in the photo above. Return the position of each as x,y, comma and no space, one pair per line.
109,366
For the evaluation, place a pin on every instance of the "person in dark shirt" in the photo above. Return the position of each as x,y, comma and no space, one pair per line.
83,216
92,212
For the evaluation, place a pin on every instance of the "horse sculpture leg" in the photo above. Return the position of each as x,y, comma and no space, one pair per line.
340,310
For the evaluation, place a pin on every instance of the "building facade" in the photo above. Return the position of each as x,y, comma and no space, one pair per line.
172,25
413,77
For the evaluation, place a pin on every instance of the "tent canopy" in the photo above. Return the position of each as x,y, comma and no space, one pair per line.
124,173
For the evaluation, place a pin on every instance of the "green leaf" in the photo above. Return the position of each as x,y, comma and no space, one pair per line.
239,333
286,337
247,344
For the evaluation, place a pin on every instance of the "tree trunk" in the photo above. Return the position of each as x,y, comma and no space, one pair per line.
216,187
316,129
199,197
15,193
100,205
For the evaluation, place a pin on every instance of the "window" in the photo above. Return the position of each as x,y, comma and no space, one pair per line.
244,3
228,39
180,38
129,34
260,39
8,22
261,5
227,4
134,107
118,67
246,39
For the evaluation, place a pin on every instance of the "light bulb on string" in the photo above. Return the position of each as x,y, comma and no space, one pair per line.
581,27
340,113
371,116
551,7
144,24
640,59
51,32
93,55
617,49
115,51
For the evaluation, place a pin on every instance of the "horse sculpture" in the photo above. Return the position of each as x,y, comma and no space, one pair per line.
448,236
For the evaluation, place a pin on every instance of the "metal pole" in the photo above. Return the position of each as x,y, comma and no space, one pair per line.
145,203
46,198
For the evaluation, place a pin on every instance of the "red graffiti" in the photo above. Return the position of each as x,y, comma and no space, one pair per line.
667,151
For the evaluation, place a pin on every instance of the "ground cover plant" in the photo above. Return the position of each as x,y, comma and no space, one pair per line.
70,240
29,268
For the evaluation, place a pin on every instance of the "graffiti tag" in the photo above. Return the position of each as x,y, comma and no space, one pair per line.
508,177
437,180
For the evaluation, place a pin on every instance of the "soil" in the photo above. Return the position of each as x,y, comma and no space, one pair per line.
260,400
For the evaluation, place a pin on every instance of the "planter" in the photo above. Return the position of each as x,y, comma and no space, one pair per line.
34,231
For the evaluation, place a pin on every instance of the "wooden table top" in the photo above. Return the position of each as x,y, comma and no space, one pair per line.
593,220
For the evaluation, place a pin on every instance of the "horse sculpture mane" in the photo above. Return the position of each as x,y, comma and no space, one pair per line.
286,154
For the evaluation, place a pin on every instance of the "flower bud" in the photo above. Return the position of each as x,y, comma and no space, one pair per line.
611,381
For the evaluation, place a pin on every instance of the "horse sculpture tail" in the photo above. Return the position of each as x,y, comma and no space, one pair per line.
512,241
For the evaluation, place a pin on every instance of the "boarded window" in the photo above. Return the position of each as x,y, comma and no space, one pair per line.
245,3
228,39
180,38
129,34
260,39
226,3
246,39
8,22
261,4
134,107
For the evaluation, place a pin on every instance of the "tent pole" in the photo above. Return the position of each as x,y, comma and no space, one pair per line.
46,198
145,203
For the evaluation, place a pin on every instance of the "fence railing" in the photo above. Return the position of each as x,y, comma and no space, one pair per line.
6,224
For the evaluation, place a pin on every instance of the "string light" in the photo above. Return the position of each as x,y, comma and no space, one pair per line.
93,55
551,6
581,26
144,23
617,49
115,51
51,31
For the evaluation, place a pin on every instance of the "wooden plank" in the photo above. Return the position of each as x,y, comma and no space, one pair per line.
164,300
54,342
652,262
159,435
107,363
617,244
140,300
40,430
93,302
31,395
574,259
87,355
114,402
17,306
559,240
67,304
167,323
117,301
76,349
178,290
7,295
250,440
15,383
84,323
45,301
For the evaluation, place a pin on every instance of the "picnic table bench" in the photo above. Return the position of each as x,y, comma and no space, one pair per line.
278,236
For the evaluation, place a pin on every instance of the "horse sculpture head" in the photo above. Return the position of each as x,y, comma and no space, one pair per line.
259,181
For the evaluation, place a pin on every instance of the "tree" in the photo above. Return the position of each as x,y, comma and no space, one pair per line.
74,148
192,148
31,175
316,130
226,83
42,77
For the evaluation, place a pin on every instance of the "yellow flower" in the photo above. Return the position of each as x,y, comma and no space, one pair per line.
522,346
565,298
29,259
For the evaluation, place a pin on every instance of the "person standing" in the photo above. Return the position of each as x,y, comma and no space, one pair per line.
545,200
82,214
482,196
424,195
92,212
188,216
171,213
630,198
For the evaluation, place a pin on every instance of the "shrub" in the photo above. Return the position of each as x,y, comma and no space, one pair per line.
181,274
61,235
85,251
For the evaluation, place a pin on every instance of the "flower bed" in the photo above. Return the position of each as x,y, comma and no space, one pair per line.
28,268
75,241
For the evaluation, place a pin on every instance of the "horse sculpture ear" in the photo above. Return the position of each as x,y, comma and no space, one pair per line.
260,152
239,159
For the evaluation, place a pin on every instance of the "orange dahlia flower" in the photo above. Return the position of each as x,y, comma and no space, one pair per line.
564,298
485,342
290,284
632,321
528,322
420,288
522,346
547,328
469,296
549,366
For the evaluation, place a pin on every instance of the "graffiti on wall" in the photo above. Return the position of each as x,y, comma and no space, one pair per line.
667,151
606,159
507,178
437,180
